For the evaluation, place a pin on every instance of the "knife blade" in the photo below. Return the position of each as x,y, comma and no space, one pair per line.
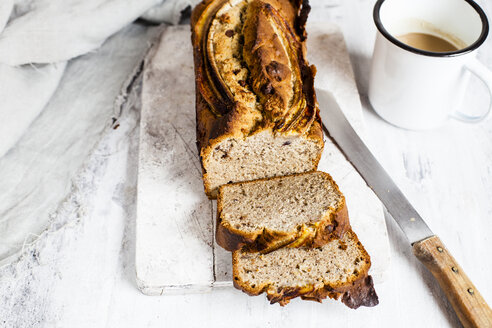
338,127
468,303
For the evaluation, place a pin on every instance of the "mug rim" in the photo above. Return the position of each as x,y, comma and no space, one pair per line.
481,39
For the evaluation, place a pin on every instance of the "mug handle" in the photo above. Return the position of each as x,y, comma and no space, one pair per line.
484,74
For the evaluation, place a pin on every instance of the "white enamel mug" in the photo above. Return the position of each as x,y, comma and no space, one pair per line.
417,89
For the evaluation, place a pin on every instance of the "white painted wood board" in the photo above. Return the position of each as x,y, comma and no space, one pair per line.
175,247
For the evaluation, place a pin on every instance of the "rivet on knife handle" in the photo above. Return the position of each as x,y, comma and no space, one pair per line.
469,305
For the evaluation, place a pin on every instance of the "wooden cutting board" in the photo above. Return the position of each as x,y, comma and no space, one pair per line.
175,247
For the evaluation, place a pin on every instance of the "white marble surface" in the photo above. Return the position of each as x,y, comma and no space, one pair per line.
80,272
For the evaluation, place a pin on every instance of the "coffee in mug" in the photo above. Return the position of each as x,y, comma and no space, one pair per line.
423,51
428,42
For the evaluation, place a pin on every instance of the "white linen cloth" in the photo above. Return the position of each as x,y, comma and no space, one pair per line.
53,109
41,173
37,37
24,92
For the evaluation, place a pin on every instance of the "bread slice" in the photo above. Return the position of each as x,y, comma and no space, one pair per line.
266,214
256,109
337,269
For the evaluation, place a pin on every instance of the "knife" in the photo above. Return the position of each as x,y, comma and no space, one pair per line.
469,305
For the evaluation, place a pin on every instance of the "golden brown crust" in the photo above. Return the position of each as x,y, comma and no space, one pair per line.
357,291
219,116
318,234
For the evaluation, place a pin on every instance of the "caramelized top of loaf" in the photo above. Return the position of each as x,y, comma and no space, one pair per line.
250,67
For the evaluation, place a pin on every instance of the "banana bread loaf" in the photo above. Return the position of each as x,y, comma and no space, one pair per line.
256,109
302,209
337,269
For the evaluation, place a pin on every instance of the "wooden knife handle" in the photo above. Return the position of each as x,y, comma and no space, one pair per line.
469,305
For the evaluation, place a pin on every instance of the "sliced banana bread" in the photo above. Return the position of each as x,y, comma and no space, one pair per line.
339,268
257,114
266,214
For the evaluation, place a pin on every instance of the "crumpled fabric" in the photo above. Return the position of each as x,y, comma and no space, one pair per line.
38,37
42,171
